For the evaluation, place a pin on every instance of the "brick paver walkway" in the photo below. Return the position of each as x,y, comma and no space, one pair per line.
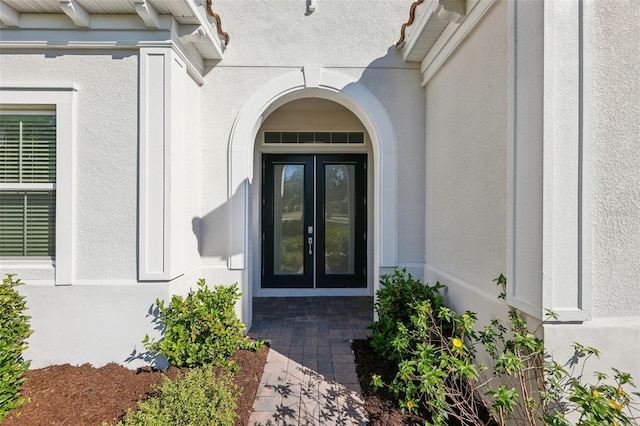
310,376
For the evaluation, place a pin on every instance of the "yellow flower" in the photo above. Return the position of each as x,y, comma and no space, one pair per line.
620,391
614,404
457,342
596,393
410,404
465,316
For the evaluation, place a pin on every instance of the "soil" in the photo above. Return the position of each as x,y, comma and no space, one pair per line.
85,395
380,405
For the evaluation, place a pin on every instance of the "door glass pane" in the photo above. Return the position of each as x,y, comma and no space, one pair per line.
339,218
288,219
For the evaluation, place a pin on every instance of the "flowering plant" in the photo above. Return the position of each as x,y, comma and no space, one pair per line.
438,373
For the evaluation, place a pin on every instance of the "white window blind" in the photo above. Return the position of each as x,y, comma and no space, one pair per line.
27,184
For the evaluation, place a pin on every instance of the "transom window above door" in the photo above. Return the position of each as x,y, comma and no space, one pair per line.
314,137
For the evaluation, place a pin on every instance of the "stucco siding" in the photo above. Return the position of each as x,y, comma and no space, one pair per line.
398,90
277,38
466,142
340,32
616,168
106,122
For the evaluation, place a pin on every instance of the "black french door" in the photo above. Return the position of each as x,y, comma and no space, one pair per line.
314,221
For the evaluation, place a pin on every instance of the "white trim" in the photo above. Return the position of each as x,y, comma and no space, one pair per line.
440,275
312,292
452,37
524,157
120,32
586,163
63,97
566,287
154,190
549,157
347,92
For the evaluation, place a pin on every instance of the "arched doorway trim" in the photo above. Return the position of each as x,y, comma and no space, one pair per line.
313,81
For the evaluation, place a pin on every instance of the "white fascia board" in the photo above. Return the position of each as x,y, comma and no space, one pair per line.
35,21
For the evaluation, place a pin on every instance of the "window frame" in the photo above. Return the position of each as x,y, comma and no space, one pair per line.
60,97
27,187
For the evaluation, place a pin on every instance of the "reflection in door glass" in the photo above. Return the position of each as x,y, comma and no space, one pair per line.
339,218
288,212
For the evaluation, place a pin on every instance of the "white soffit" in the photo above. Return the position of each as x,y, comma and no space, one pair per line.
439,27
424,32
25,22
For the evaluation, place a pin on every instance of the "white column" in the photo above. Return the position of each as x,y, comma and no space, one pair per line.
160,126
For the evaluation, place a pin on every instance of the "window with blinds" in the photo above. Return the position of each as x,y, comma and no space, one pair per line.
27,184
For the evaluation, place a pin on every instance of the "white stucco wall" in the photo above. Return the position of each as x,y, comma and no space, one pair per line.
106,146
101,316
616,121
353,38
615,327
466,142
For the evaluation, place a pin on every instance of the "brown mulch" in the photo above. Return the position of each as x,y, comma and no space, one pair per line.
84,395
380,405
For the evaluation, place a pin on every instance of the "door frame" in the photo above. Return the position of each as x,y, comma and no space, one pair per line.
314,274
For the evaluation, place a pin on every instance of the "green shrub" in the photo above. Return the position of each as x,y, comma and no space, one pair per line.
396,303
197,398
201,328
438,373
14,330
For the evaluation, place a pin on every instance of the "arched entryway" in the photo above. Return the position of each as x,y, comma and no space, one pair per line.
311,82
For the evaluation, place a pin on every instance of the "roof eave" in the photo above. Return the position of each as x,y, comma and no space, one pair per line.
431,18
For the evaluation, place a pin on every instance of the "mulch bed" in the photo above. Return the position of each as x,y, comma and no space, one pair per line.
380,405
85,395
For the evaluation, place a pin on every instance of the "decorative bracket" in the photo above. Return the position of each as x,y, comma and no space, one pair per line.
78,15
8,15
147,13
451,10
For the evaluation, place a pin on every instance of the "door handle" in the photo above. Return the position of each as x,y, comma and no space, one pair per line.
310,238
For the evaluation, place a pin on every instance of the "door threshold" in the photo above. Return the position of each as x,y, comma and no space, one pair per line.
311,292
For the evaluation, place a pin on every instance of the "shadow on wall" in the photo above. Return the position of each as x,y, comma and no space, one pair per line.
212,230
153,359
212,234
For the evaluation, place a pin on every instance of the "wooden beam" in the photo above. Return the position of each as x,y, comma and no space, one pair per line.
8,15
147,13
78,15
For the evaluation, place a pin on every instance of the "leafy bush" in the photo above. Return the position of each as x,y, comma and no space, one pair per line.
437,369
438,372
396,302
201,328
14,330
535,387
197,398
